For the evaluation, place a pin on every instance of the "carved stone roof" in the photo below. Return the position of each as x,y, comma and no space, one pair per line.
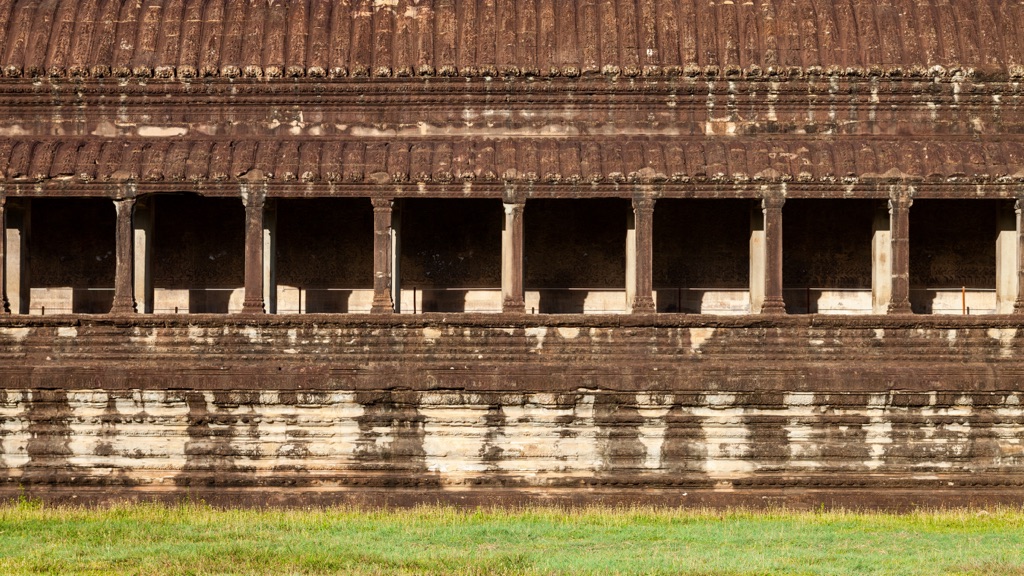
641,160
381,38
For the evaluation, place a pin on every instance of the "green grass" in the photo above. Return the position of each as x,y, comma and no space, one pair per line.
195,539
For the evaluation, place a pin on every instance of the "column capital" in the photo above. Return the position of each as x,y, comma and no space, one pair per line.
901,195
253,196
513,208
121,204
512,195
900,203
125,191
643,204
382,204
773,201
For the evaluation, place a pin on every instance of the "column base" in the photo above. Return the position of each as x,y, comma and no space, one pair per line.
513,307
899,308
123,308
775,307
253,307
643,306
5,306
382,305
1018,307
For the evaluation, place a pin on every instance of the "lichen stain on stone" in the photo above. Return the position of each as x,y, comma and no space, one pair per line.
16,334
568,333
698,336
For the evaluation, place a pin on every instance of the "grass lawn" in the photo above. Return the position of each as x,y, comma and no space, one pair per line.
194,539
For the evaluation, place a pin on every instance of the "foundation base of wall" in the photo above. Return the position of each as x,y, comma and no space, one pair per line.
482,410
851,499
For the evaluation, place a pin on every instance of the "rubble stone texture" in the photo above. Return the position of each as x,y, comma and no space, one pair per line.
506,251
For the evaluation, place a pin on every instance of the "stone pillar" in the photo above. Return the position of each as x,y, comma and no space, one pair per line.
1018,304
899,229
142,226
1006,257
881,260
124,298
5,306
756,259
270,256
16,237
513,300
382,256
396,259
253,199
640,257
772,209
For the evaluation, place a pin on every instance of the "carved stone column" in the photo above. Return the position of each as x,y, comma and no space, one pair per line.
254,200
899,228
124,291
5,305
641,247
771,206
1018,304
513,300
382,301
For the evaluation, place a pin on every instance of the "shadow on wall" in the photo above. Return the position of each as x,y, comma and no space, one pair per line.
327,301
208,301
91,301
445,301
562,301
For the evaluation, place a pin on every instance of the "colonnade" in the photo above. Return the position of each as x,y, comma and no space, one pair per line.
890,256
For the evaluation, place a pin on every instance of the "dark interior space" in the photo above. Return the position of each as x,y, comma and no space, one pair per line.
324,251
572,246
699,245
449,248
952,248
199,245
826,246
73,246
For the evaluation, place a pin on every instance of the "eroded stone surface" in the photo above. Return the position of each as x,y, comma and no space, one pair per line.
421,408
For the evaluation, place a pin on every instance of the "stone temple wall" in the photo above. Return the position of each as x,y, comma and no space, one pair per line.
692,411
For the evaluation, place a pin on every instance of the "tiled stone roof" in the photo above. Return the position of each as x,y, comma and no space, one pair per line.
380,38
641,160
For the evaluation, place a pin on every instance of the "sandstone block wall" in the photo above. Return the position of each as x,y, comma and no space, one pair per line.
690,411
